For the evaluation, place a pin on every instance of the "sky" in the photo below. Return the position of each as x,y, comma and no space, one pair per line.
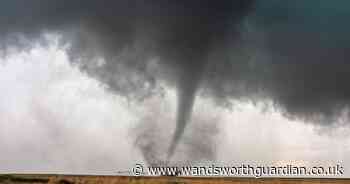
94,87
57,119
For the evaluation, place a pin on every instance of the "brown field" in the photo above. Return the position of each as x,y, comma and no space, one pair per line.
66,179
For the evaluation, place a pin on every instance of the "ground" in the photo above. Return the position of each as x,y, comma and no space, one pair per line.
66,179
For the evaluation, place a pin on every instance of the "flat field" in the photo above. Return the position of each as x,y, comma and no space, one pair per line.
73,179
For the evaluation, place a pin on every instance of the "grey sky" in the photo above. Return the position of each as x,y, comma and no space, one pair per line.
56,119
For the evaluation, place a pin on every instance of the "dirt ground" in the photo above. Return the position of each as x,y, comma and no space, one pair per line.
65,179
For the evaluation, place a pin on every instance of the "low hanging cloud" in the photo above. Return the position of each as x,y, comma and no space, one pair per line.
292,53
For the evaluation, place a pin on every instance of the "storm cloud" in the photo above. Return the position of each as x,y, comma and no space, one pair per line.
294,54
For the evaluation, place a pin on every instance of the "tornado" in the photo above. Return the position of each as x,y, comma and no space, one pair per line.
193,45
188,84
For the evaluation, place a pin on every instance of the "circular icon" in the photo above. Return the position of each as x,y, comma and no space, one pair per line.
137,170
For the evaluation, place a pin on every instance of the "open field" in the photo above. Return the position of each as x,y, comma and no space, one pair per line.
66,179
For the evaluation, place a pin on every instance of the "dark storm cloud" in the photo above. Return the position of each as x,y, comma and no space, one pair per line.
299,59
308,44
294,53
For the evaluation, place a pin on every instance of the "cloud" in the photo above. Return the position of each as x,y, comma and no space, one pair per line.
56,119
294,54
